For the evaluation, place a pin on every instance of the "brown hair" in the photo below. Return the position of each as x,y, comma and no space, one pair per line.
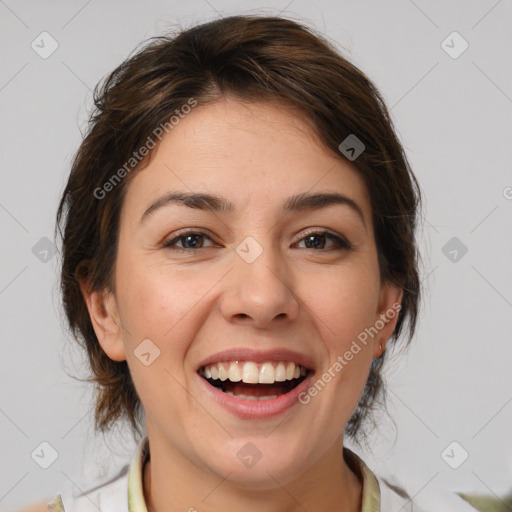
252,58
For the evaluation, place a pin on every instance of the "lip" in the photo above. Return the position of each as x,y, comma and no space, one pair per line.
259,356
256,410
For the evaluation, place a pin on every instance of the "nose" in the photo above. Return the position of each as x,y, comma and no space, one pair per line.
259,293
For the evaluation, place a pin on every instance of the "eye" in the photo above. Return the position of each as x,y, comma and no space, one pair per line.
188,238
313,237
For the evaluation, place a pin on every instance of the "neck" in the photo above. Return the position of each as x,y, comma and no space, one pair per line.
329,485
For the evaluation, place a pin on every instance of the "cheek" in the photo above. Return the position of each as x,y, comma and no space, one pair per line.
163,304
160,305
149,301
346,303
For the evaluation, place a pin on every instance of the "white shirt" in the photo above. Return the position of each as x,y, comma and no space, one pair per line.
124,492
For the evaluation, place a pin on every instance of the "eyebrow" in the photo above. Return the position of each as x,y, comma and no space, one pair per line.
209,202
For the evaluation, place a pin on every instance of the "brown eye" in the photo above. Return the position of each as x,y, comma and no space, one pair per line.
318,239
190,241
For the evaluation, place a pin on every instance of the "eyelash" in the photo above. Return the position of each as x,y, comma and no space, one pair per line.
342,242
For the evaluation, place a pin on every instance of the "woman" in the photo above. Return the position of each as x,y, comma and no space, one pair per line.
238,254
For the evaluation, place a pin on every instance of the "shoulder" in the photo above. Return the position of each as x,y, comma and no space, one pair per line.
108,496
41,506
385,491
394,494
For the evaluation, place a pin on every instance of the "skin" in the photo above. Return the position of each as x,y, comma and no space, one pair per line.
191,305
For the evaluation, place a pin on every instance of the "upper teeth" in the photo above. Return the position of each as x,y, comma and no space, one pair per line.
253,373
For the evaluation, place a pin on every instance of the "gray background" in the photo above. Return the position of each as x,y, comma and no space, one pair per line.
454,118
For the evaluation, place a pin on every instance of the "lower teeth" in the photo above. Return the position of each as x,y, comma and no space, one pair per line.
252,398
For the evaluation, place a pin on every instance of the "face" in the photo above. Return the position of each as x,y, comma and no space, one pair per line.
228,316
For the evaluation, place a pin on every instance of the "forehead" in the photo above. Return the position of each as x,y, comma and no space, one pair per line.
254,154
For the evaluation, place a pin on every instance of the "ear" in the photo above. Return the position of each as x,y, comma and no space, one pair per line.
388,309
105,321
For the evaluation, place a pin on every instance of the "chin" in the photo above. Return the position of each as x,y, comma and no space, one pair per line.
258,463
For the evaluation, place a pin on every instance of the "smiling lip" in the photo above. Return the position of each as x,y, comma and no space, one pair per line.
260,409
255,410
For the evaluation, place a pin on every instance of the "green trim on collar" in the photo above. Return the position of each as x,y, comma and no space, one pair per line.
136,501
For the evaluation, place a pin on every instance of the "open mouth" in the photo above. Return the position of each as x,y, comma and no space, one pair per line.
247,380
